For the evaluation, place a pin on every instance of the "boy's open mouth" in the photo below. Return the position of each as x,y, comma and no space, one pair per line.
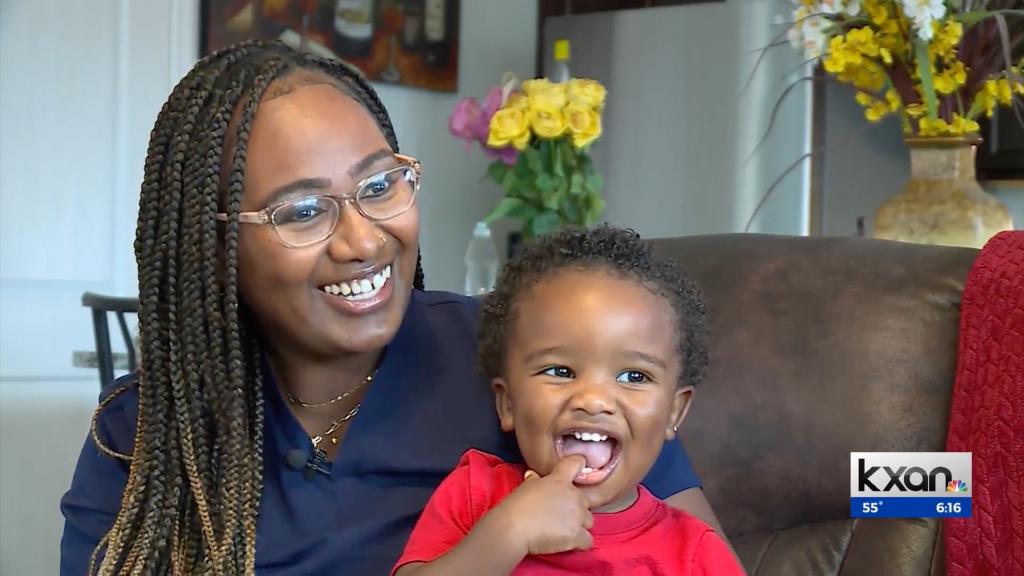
600,447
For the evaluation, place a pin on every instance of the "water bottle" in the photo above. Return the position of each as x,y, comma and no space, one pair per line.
481,262
560,70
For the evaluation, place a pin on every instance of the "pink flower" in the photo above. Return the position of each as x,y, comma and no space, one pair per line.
507,155
491,105
465,120
471,121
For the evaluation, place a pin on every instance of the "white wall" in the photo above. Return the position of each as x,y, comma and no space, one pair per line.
81,85
1012,194
863,163
678,133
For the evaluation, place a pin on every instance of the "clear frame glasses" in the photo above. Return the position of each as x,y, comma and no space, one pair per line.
308,220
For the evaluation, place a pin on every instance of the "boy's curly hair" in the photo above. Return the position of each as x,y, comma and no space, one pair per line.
620,252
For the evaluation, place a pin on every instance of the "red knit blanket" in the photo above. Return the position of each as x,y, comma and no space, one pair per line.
987,417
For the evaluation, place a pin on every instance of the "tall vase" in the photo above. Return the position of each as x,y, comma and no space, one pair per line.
943,202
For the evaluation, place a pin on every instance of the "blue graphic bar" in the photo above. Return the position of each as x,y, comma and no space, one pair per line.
910,507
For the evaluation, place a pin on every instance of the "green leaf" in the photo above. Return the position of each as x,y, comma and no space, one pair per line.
1005,41
561,184
533,159
569,156
553,199
576,184
512,208
558,167
544,154
522,167
510,183
594,208
586,162
924,68
497,170
573,210
970,19
594,182
551,190
545,223
545,182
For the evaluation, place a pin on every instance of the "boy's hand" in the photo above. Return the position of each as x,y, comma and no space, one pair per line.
549,514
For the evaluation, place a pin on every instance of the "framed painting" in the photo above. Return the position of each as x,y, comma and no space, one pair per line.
406,42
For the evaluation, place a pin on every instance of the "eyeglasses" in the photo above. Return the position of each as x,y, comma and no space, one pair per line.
311,219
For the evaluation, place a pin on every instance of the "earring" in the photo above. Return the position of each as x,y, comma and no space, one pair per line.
675,428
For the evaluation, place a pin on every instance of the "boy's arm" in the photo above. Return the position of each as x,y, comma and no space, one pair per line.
459,532
693,502
714,557
485,551
541,516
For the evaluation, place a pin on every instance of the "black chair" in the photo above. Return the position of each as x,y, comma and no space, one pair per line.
101,306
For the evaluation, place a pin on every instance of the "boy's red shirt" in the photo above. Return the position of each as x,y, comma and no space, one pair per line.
648,538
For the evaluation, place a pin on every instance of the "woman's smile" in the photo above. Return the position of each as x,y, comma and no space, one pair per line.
361,294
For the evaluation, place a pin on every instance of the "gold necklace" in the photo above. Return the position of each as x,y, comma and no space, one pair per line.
293,400
316,440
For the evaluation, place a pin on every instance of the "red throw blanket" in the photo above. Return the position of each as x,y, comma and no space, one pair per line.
987,417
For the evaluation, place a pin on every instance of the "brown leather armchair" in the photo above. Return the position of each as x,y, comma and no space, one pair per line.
820,347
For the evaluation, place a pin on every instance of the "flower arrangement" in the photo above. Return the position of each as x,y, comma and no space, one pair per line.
538,135
940,64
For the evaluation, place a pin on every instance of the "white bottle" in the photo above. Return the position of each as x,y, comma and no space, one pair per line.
560,70
481,262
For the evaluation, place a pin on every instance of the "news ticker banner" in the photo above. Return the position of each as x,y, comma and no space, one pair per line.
910,484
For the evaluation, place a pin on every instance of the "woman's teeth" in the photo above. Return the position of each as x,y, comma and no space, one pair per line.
361,289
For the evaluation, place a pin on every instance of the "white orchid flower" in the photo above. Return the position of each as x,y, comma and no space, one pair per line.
923,13
848,7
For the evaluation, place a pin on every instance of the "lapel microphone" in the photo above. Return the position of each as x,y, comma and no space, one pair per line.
297,459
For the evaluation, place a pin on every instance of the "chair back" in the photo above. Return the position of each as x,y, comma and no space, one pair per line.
102,306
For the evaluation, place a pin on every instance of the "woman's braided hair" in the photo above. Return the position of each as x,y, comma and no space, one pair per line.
193,489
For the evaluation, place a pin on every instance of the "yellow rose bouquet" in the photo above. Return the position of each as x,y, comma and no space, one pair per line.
940,64
539,135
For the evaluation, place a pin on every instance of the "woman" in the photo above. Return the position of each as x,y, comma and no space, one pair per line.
299,396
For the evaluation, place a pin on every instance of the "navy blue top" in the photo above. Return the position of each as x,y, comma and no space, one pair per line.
428,405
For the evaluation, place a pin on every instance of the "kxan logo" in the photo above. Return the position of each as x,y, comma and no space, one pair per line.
910,484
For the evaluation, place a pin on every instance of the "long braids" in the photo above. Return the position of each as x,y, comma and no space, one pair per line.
194,485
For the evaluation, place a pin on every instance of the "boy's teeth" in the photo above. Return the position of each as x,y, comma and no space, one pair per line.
590,436
586,470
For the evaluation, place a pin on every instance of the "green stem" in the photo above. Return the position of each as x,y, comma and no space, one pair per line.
924,68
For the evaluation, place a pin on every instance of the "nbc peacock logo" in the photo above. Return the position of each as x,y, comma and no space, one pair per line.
956,486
